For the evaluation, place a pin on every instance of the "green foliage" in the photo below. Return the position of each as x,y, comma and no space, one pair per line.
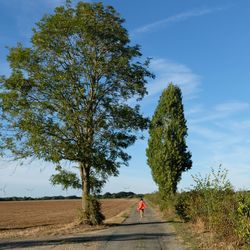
242,218
66,179
167,152
215,181
205,200
66,97
183,206
214,202
215,199
212,189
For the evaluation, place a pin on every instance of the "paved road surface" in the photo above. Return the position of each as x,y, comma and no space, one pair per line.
148,233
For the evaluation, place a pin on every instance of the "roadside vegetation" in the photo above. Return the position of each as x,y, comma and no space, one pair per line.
211,214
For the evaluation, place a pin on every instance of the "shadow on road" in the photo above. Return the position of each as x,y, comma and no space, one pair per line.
83,239
144,223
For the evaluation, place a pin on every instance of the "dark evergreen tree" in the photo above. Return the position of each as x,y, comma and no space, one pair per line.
66,98
167,153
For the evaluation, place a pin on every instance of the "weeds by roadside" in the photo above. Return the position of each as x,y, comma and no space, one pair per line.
214,216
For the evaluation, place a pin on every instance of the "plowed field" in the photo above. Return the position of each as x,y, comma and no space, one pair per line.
29,216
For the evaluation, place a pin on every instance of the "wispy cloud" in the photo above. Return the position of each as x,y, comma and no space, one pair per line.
232,107
242,125
180,17
27,13
219,135
197,109
219,112
167,71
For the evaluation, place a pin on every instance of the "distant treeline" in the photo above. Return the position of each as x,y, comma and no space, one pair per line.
120,195
73,197
14,198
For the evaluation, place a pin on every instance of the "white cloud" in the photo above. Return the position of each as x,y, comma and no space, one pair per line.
177,18
167,71
194,110
219,112
232,107
206,133
219,134
241,125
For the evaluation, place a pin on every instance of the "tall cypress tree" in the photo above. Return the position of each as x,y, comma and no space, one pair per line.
167,152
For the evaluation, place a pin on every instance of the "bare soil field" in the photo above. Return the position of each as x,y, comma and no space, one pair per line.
20,219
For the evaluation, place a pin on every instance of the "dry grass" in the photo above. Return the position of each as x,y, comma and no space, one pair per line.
23,219
196,237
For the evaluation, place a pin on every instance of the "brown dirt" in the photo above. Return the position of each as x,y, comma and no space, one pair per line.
20,219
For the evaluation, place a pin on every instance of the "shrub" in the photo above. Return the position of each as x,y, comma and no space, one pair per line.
95,216
213,204
182,206
211,201
242,217
215,193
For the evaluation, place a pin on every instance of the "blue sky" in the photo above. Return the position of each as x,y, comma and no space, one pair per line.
203,46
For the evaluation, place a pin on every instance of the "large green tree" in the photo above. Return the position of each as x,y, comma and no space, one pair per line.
167,153
67,96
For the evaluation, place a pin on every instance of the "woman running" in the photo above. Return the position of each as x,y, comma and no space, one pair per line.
141,206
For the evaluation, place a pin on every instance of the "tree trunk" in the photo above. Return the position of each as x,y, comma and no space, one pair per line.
85,193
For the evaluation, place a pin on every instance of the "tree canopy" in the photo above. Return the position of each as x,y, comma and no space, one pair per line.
67,96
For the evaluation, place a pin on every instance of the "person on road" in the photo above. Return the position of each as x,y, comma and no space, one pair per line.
140,208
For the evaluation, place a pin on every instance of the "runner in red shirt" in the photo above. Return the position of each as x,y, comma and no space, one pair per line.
141,206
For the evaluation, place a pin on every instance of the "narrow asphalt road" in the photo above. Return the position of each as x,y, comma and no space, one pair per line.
149,232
